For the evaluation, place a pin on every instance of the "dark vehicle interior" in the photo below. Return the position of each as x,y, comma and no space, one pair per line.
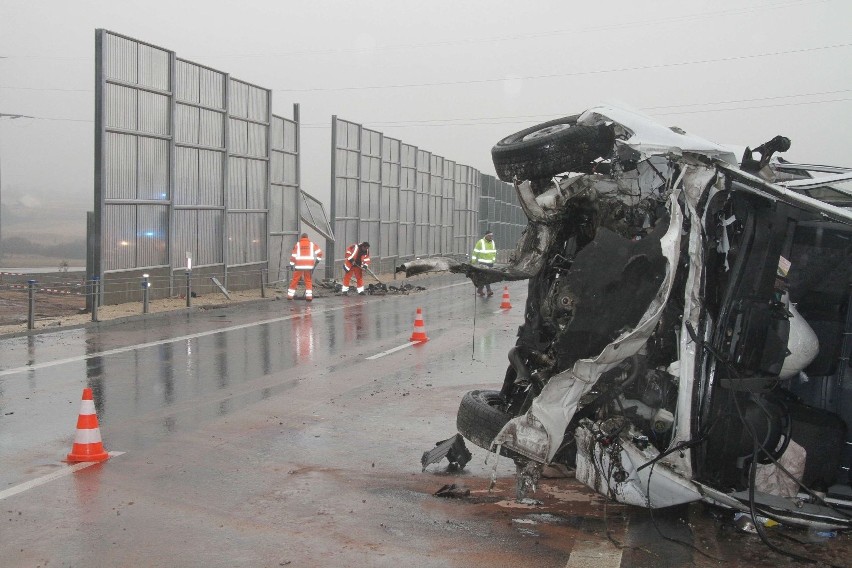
746,290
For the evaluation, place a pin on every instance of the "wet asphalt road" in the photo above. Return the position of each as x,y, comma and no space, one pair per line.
271,434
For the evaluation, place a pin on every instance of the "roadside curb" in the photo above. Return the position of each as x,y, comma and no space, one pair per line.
129,319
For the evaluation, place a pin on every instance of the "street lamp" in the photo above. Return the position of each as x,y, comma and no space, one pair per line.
10,117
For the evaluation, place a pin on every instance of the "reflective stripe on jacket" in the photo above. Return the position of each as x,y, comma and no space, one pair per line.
352,254
484,252
305,255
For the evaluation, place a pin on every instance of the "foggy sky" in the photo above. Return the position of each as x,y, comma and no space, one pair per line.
450,77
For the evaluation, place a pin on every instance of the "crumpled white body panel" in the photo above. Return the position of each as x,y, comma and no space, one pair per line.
538,434
651,138
656,486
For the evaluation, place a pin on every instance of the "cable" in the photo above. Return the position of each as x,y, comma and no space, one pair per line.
529,77
734,374
496,120
762,8
501,119
748,100
523,37
574,73
404,125
60,119
758,448
47,89
751,487
754,107
657,527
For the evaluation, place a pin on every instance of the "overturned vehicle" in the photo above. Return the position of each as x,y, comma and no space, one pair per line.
683,335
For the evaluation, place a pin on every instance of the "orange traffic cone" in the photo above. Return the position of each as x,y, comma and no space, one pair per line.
87,441
505,305
419,329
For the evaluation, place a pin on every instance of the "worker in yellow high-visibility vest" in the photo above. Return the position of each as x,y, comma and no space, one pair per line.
485,253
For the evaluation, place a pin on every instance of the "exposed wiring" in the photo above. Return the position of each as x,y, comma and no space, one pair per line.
733,373
751,487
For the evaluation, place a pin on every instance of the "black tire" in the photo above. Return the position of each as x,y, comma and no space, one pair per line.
551,148
479,420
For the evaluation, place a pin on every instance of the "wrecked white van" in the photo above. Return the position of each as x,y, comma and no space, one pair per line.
684,327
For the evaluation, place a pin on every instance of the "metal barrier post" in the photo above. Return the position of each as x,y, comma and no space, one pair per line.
31,310
188,289
146,285
96,296
263,276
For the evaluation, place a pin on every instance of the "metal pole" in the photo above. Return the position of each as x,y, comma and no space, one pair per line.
188,289
31,308
329,244
146,285
263,276
100,162
96,296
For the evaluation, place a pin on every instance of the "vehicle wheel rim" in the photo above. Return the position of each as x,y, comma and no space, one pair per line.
545,131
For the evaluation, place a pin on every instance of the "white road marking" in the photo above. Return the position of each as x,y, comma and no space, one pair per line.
161,342
47,364
394,350
598,553
410,343
20,488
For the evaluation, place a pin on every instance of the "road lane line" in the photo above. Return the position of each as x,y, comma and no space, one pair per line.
394,350
20,488
597,553
161,342
118,350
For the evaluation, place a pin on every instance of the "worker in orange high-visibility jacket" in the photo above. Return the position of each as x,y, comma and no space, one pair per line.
357,256
306,255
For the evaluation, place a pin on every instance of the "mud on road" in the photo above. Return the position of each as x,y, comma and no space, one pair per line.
564,519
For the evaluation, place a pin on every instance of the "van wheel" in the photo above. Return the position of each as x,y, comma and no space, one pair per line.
480,419
551,148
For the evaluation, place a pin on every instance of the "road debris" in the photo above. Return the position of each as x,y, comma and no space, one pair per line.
452,491
453,449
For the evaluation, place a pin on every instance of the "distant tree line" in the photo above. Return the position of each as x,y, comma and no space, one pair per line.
20,245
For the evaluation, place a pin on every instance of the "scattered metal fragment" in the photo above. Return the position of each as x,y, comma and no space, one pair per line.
453,449
530,502
452,491
528,475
